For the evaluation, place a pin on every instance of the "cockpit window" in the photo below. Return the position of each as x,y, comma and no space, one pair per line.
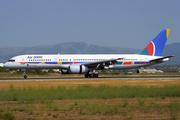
11,60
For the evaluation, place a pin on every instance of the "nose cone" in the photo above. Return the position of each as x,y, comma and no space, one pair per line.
1,65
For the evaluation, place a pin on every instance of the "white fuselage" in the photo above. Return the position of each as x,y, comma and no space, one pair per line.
61,61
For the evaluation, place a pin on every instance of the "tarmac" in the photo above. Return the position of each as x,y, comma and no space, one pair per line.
82,78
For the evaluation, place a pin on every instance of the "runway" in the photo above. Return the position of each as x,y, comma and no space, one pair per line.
82,78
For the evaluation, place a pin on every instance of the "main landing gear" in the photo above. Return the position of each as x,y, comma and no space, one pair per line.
91,75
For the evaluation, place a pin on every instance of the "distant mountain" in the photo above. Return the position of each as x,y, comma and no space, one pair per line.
83,48
63,48
172,49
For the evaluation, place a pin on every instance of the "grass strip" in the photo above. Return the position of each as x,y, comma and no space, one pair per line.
7,116
31,94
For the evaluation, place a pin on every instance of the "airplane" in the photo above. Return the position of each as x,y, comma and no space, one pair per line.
88,63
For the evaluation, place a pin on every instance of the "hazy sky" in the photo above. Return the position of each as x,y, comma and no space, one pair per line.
123,23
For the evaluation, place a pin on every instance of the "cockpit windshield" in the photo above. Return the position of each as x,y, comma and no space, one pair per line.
11,60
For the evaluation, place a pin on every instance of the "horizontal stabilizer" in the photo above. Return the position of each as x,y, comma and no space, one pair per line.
160,59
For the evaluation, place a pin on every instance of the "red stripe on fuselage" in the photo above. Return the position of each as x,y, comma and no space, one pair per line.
23,62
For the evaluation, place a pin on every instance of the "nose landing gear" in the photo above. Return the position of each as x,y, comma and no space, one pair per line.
25,76
24,73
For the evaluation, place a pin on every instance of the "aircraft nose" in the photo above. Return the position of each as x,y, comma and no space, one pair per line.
1,64
5,65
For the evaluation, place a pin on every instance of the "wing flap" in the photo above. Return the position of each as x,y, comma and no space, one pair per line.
103,62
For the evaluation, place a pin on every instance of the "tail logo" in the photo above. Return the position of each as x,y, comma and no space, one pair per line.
151,48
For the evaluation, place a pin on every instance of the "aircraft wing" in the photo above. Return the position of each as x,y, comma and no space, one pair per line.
102,64
160,59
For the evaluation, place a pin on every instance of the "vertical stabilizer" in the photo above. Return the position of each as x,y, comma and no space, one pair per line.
156,46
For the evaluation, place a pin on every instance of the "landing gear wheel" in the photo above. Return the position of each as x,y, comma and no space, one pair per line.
91,76
96,75
137,71
86,75
25,76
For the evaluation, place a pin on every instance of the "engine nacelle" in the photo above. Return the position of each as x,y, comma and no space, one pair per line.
64,71
78,69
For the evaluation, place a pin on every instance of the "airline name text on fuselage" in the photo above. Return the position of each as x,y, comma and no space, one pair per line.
34,57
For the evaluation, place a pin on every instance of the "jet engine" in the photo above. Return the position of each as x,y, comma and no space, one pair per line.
77,69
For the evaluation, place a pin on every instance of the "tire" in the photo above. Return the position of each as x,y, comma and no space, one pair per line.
91,76
96,75
25,76
86,75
